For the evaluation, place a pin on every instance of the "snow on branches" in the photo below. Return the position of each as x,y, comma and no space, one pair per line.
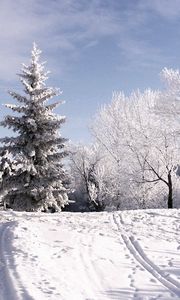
39,181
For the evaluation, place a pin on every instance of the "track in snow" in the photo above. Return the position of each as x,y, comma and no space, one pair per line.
137,252
80,257
87,264
10,285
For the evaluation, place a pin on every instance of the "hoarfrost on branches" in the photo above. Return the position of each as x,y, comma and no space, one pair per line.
86,167
139,137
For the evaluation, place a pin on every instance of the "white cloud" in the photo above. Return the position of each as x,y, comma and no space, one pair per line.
62,28
60,25
140,54
169,9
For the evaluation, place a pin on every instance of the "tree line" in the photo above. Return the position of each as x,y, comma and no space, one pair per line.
133,161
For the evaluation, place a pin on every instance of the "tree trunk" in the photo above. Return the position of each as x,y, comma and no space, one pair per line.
170,195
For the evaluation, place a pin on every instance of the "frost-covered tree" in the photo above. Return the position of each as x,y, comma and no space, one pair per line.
142,147
153,142
168,105
39,181
7,166
87,172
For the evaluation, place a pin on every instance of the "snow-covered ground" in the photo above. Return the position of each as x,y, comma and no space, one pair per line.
90,256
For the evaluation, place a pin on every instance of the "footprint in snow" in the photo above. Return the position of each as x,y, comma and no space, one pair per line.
170,263
24,228
132,283
57,255
153,280
52,288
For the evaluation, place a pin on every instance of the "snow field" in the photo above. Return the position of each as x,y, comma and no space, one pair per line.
90,256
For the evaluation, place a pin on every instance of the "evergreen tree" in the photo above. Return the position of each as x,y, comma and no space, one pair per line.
6,168
38,182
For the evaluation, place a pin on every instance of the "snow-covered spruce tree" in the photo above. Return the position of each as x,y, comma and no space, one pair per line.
39,182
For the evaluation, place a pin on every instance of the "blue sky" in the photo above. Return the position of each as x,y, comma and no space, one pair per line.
92,47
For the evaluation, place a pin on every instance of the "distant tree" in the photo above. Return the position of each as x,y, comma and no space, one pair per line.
39,181
87,172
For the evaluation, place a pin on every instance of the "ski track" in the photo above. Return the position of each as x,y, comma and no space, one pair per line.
12,288
86,261
137,252
154,214
86,255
